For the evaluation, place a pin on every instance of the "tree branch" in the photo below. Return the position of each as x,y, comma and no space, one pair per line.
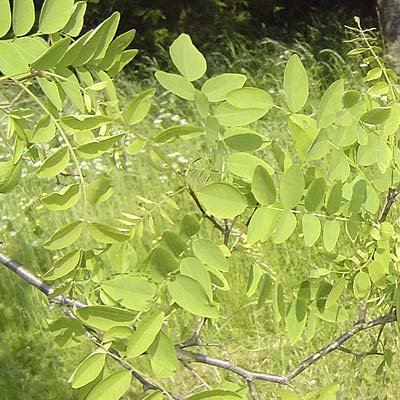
391,317
187,356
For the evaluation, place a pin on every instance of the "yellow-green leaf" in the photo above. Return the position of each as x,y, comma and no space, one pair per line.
295,82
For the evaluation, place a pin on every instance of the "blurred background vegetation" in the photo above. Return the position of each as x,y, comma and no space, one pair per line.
252,37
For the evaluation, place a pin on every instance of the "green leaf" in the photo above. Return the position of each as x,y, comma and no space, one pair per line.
67,332
210,254
10,175
176,84
361,285
315,195
334,199
243,139
285,226
54,15
162,262
266,289
215,394
244,165
75,23
64,236
88,370
304,132
222,200
131,292
82,123
253,280
229,115
195,269
114,53
98,146
52,55
263,187
292,186
44,130
138,108
54,164
296,320
104,233
376,116
217,87
202,104
330,234
175,243
339,168
327,393
30,47
191,296
70,85
23,16
187,58
383,155
64,199
146,331
336,292
122,257
111,388
104,317
311,229
52,92
373,74
5,17
64,265
162,352
377,274
189,225
295,83
250,97
99,190
261,225
278,302
350,98
331,103
12,63
175,132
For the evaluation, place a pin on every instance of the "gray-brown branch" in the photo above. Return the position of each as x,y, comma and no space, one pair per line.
188,356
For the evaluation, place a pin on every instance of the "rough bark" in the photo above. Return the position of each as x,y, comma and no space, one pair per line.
389,11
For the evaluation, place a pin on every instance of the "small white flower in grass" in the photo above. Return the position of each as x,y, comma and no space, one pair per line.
175,118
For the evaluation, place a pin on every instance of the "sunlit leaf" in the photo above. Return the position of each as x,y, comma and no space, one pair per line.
222,200
131,292
64,236
187,58
191,296
217,87
64,199
54,15
210,254
176,84
105,317
23,16
295,84
112,387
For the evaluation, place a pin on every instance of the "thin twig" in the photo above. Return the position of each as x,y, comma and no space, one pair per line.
253,390
359,354
196,376
391,317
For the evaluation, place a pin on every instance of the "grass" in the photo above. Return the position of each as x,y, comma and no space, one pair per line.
32,367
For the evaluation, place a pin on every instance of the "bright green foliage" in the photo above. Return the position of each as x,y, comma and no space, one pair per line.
295,84
112,387
222,200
